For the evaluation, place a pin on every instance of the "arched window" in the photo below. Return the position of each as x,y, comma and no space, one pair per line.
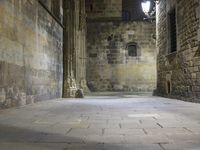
132,49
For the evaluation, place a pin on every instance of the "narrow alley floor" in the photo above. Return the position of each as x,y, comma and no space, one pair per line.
123,122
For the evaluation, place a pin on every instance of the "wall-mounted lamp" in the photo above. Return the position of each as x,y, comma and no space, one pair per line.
146,7
157,1
149,8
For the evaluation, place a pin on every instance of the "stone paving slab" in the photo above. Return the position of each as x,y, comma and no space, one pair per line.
181,146
74,132
194,130
104,126
147,139
133,147
167,131
105,139
187,138
31,146
102,123
116,132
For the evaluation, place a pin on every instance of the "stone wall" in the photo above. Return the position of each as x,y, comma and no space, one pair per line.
30,53
110,67
104,9
179,72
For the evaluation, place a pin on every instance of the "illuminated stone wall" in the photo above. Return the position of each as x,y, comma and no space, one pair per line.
179,72
109,66
30,53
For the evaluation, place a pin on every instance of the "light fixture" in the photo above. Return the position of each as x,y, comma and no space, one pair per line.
146,7
149,9
157,1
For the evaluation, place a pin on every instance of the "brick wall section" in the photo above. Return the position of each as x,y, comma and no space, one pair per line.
30,54
179,71
109,68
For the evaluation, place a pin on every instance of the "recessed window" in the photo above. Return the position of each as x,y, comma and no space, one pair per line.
91,7
172,31
132,50
168,87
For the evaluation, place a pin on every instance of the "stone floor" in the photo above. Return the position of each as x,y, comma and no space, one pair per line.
122,122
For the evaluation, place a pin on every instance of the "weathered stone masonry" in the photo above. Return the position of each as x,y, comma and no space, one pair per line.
74,47
104,9
121,55
109,66
30,53
179,72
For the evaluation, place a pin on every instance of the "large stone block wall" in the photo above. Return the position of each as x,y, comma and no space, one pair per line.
179,72
110,68
104,9
30,54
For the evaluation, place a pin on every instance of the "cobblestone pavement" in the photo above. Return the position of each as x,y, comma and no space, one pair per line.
122,122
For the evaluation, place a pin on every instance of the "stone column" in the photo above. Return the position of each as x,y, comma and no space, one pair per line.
69,88
74,47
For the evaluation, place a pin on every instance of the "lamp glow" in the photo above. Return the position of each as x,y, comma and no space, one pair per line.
146,6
